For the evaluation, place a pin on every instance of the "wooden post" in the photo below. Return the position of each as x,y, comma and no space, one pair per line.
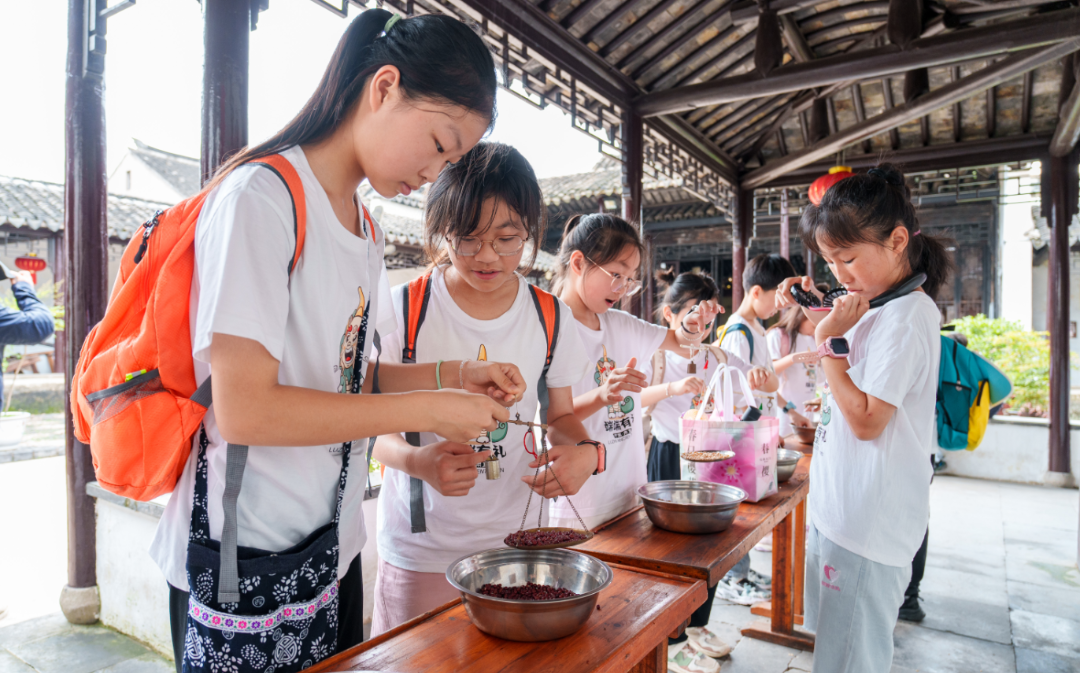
226,28
632,131
785,226
85,296
1063,205
740,239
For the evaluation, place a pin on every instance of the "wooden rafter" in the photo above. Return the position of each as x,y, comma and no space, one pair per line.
667,33
672,73
636,27
860,110
795,40
887,95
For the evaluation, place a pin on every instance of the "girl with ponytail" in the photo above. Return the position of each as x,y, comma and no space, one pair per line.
871,470
286,322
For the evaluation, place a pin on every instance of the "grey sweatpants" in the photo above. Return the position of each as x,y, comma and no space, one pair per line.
851,606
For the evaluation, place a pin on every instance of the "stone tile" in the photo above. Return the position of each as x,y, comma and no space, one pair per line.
34,629
11,664
728,613
756,656
964,617
150,663
79,651
1056,601
985,560
901,669
1059,549
1045,633
804,661
929,651
1034,661
1046,573
972,586
1027,532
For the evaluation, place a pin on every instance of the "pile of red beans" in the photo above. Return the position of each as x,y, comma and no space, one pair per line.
529,538
529,592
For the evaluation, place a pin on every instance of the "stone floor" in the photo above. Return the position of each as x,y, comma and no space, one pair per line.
1002,589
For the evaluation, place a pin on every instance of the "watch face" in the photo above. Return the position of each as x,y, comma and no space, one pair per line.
840,346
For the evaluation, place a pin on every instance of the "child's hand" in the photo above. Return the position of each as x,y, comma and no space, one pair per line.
691,384
798,420
784,298
622,380
846,312
758,377
500,381
447,467
696,323
461,416
573,465
813,406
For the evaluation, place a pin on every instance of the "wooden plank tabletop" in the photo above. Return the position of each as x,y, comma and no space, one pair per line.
632,539
636,613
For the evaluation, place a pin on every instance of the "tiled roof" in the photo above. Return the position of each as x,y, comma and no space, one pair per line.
604,180
183,173
40,205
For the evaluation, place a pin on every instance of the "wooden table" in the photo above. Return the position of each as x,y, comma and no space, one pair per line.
632,540
628,633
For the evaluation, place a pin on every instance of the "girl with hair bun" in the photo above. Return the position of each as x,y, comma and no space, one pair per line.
286,323
871,470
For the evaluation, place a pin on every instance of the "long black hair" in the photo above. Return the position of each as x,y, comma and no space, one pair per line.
487,171
601,237
867,208
439,58
686,288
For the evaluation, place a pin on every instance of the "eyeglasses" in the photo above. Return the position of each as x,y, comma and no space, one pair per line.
504,246
620,283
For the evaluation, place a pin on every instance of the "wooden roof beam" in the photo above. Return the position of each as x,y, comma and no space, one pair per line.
679,131
1068,129
633,29
947,95
795,40
1025,101
860,111
887,94
938,50
667,32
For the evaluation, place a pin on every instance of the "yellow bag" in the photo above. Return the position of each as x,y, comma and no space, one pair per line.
979,416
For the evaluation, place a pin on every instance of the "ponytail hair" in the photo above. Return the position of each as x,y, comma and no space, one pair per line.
867,208
438,57
601,237
683,290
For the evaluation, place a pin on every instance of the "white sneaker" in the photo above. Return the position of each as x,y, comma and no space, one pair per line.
765,545
742,592
708,642
759,579
688,659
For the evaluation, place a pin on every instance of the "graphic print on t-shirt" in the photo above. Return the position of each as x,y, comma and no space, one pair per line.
487,441
351,355
620,422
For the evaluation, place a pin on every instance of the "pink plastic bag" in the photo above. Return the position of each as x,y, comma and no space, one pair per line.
753,469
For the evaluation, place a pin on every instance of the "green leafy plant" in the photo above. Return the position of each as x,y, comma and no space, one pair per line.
1023,355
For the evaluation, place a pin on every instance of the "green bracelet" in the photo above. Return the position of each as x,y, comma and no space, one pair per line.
438,375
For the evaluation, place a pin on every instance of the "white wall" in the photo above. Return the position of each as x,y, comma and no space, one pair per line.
144,183
1015,220
1014,450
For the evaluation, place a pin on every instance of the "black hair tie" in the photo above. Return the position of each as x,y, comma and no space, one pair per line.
890,179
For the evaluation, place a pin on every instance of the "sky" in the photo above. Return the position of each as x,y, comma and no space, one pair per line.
153,85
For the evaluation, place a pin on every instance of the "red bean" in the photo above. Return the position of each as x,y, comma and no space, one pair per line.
528,538
528,592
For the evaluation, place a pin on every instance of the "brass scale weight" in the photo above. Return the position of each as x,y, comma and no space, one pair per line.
493,471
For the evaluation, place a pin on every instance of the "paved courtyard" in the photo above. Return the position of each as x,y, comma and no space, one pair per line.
1002,590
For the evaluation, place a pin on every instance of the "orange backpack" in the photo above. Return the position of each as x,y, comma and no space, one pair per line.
133,393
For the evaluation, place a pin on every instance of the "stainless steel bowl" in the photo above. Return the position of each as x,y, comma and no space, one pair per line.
691,506
786,461
806,434
529,621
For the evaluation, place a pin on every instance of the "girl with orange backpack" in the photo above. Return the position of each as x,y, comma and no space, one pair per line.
441,499
268,575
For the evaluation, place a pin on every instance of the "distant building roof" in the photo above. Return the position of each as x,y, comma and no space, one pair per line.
604,180
183,173
40,205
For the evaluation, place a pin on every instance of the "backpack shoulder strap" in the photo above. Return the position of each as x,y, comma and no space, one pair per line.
745,330
547,309
284,170
414,310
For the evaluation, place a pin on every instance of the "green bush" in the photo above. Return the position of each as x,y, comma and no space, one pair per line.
1023,355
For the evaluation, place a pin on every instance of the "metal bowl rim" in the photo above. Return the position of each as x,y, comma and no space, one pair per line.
796,456
605,581
700,485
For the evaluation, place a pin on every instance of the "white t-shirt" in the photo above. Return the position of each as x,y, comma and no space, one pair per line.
461,525
666,413
873,497
244,240
621,336
798,383
735,341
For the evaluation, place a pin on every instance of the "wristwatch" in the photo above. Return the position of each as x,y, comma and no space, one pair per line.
601,454
834,347
789,407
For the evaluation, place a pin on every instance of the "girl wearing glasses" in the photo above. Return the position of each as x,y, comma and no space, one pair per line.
484,215
597,268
